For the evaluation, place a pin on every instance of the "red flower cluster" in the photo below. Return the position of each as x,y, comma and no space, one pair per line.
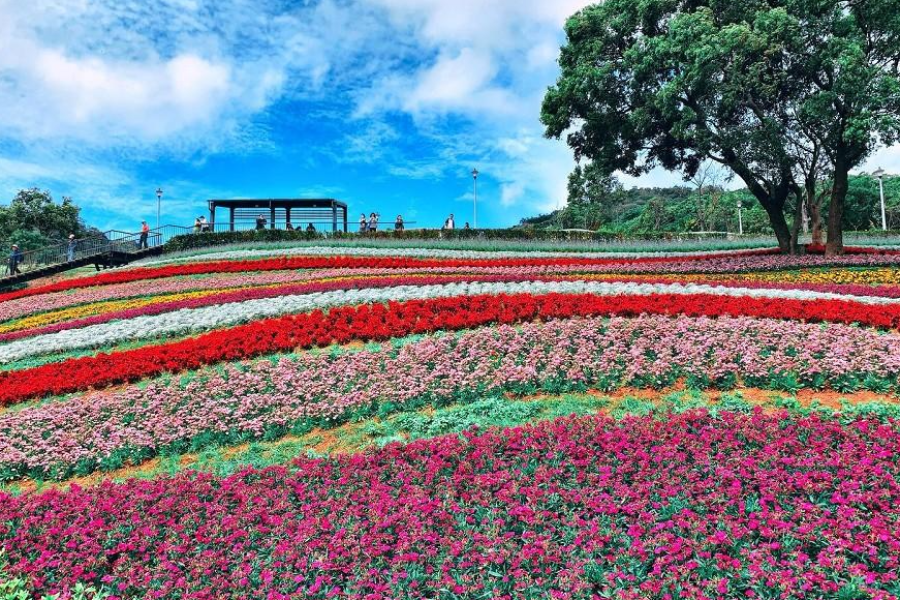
336,262
380,322
820,249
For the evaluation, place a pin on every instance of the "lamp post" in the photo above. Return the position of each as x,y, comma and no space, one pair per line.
740,205
159,194
474,198
880,175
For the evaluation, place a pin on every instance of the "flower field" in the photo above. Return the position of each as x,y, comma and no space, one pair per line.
398,422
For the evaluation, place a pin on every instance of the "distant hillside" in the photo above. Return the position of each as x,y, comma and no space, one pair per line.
685,209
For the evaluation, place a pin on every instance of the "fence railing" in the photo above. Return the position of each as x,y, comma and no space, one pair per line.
83,250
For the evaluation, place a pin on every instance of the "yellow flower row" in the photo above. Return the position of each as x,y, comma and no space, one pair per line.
103,307
875,276
95,308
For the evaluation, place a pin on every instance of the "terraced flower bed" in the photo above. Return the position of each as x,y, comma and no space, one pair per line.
311,422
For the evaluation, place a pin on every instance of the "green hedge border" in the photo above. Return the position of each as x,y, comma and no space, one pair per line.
190,241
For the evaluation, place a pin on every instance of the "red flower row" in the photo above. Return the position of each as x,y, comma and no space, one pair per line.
333,262
255,293
380,322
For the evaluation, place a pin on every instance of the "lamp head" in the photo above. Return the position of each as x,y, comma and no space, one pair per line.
879,173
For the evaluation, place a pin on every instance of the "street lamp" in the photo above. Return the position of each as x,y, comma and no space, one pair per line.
474,198
880,175
740,205
159,194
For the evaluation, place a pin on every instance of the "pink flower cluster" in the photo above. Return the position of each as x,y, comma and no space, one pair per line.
104,429
687,507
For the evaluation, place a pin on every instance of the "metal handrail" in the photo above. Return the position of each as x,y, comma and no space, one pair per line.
88,247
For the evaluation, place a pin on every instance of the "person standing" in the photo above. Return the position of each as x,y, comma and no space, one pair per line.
363,224
70,248
398,224
466,226
197,225
204,224
260,222
145,234
15,259
373,223
450,223
310,228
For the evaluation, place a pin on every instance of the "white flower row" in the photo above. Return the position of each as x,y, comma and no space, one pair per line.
213,255
186,321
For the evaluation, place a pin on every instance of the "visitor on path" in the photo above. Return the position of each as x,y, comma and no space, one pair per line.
466,226
70,248
363,223
288,226
15,259
260,222
310,228
450,223
373,223
398,224
204,225
197,225
145,233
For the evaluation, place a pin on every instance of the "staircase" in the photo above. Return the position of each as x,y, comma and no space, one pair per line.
104,250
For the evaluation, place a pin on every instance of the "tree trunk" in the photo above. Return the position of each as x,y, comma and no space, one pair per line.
835,244
780,226
798,222
815,216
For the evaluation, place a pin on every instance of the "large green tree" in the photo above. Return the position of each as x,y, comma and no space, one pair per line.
676,83
33,219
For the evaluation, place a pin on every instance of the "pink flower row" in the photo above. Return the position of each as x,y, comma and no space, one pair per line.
19,307
245,401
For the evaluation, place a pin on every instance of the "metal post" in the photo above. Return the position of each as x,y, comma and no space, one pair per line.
474,198
231,218
159,194
884,226
212,216
740,218
345,219
272,214
333,217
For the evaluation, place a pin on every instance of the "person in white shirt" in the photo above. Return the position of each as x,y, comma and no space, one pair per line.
450,223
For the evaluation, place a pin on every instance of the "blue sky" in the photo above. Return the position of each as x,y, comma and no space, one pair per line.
385,104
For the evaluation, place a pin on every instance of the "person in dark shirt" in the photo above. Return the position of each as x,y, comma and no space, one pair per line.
398,224
15,259
310,228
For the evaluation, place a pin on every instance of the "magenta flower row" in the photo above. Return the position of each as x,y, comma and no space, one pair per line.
739,506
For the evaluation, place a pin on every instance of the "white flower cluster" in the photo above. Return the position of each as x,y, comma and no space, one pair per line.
207,318
214,255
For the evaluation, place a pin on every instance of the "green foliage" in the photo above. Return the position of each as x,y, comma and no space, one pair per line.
527,233
33,220
773,90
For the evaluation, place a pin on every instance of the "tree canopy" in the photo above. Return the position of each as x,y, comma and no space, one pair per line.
33,219
777,91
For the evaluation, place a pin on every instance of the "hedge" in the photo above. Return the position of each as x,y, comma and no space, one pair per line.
190,241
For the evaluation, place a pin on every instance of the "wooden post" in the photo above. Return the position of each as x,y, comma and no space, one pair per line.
231,218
